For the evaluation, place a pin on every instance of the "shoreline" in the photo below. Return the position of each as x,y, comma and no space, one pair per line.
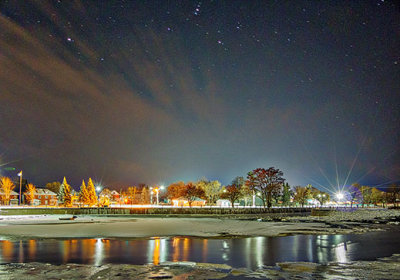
383,268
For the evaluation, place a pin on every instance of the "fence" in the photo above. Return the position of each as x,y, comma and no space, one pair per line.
152,211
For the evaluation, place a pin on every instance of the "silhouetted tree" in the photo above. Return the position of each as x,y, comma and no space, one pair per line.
286,194
54,187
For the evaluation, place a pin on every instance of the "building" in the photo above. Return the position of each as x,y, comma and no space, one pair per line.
181,201
14,198
115,196
45,197
224,203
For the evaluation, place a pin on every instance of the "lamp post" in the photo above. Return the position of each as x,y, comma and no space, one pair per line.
339,197
98,189
157,191
151,195
20,186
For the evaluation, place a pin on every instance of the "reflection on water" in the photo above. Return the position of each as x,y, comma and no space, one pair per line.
254,252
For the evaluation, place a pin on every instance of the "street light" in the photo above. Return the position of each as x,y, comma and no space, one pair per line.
98,189
20,186
151,195
156,190
339,196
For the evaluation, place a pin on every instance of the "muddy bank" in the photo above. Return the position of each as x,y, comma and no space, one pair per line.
385,268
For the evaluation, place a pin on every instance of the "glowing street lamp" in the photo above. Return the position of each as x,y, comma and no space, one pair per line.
98,189
20,186
157,190
339,196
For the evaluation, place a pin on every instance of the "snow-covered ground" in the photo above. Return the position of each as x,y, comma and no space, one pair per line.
48,226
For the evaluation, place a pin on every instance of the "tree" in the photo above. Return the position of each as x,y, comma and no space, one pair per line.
104,201
65,193
264,182
106,192
30,193
6,187
232,193
377,196
91,192
131,193
365,195
145,196
355,193
393,194
301,194
247,194
54,187
211,190
192,192
286,194
321,197
83,194
61,190
176,190
105,197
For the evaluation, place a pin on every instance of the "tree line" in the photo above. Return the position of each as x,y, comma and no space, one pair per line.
268,185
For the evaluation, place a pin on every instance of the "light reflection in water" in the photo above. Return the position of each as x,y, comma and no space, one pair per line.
21,252
205,250
295,246
156,251
322,248
7,250
259,251
32,249
185,249
340,252
98,256
253,253
175,248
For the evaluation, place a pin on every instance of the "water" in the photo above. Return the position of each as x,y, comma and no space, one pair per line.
252,252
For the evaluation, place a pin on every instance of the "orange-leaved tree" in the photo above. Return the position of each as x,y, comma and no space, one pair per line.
30,193
6,187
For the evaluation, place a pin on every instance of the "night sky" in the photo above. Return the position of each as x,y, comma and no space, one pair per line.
158,91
